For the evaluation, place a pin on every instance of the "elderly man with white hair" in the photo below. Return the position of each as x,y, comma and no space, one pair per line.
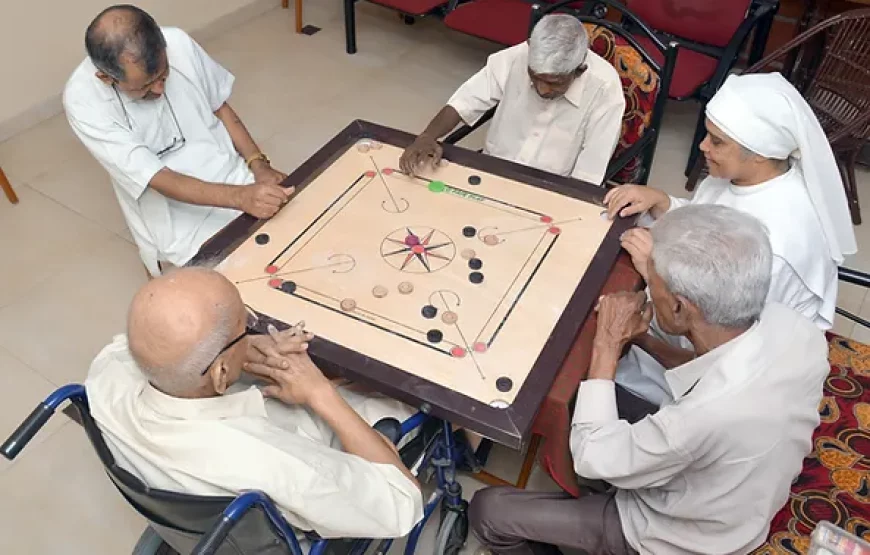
768,156
707,472
560,106
168,401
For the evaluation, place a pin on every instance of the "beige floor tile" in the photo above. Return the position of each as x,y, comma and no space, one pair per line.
63,502
84,186
59,326
39,238
22,390
843,326
38,150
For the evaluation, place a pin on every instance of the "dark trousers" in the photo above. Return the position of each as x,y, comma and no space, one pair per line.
510,521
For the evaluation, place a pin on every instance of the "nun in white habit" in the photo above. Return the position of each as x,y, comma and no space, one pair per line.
768,156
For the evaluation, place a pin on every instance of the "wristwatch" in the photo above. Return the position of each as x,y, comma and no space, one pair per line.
255,157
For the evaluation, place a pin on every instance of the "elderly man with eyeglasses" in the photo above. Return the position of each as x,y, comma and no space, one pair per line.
169,401
151,106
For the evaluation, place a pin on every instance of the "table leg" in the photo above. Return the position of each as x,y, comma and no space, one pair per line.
298,16
7,188
525,471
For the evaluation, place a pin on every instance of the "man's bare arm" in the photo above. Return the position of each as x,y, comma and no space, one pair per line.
191,190
443,123
667,355
261,200
242,140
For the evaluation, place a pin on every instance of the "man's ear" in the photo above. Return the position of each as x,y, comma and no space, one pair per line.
105,77
219,377
683,311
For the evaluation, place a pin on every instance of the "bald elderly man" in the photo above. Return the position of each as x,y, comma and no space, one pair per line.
153,109
168,400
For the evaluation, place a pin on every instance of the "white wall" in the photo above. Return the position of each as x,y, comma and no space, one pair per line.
42,41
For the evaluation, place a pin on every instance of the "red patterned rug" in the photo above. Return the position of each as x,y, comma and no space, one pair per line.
835,482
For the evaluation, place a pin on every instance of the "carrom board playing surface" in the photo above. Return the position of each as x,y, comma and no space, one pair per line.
459,289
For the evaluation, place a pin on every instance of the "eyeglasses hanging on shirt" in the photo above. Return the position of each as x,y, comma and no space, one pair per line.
178,139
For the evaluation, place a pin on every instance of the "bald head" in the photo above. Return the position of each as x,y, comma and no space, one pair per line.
177,325
122,35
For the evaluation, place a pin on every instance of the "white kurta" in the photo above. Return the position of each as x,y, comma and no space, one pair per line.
707,473
804,275
223,445
129,147
574,135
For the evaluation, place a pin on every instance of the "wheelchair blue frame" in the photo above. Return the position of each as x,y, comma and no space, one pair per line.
442,455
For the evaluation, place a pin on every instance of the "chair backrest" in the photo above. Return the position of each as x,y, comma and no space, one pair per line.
712,22
181,518
839,93
831,69
645,82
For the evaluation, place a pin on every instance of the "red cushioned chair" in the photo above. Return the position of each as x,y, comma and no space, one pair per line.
408,9
710,36
501,21
644,79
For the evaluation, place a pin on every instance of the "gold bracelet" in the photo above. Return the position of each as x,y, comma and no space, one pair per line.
255,157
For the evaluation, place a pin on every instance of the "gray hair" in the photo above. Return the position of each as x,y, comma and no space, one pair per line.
132,32
558,45
718,258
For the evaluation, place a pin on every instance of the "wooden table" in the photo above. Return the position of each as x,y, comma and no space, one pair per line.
487,361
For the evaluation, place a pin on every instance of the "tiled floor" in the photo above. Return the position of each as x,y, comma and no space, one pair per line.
69,267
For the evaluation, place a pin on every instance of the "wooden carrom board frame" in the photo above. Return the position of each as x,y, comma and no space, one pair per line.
510,426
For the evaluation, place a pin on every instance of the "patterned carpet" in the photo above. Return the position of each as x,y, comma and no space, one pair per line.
835,482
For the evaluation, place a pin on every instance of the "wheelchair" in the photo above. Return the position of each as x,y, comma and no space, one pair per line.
251,524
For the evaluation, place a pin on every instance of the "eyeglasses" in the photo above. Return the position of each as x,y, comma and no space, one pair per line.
250,329
178,141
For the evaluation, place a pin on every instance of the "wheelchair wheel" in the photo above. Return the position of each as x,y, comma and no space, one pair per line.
150,543
452,533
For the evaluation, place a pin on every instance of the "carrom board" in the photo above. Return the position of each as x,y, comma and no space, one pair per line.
459,290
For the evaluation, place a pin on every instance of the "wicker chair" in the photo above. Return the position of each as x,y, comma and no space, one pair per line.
830,65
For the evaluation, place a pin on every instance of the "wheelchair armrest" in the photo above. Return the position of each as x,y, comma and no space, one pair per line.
389,428
37,419
25,432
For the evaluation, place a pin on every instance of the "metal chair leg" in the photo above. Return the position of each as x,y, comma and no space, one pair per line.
695,174
700,131
350,26
7,188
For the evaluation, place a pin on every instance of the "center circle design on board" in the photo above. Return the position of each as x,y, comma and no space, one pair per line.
418,249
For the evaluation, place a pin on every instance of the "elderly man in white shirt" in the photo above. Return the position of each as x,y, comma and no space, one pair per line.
560,106
769,157
168,401
706,473
151,106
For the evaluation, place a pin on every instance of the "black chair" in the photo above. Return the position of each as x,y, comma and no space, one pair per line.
179,523
645,84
